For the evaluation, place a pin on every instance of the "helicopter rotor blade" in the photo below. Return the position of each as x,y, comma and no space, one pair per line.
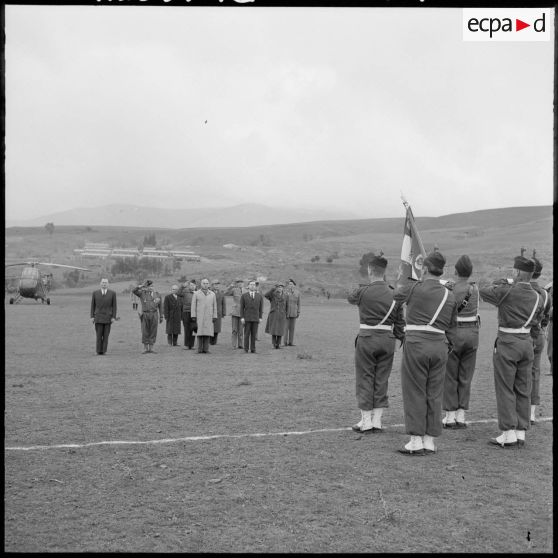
63,265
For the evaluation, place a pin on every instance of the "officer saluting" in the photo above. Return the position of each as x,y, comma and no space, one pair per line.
518,306
431,321
381,321
461,361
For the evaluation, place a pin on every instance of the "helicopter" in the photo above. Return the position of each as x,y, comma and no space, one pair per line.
32,282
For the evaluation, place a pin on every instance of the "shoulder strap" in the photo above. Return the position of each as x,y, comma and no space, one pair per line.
534,310
388,312
446,292
465,301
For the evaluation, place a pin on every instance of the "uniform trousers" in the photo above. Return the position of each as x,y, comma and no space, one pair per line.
236,336
102,333
423,368
149,323
538,346
373,362
513,361
460,368
289,331
250,335
189,337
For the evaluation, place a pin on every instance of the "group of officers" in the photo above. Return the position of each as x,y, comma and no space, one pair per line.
437,323
200,310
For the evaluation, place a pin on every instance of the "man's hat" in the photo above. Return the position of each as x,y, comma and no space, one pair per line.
435,263
378,261
524,264
215,282
239,280
538,267
149,283
292,281
280,284
463,266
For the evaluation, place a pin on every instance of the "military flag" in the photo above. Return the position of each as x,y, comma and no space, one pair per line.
412,250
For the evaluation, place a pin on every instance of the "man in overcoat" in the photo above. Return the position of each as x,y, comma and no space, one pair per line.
103,314
204,311
172,313
251,314
185,294
277,317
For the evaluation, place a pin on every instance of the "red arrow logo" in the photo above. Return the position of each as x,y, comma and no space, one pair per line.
519,25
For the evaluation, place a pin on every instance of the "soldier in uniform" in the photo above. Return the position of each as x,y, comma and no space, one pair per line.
431,317
462,359
381,322
235,290
293,311
151,314
537,333
518,305
221,310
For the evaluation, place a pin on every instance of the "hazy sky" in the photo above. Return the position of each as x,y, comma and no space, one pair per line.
305,107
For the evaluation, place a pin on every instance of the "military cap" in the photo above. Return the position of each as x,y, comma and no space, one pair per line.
378,261
239,280
280,284
435,263
148,283
524,264
538,267
215,282
292,281
463,266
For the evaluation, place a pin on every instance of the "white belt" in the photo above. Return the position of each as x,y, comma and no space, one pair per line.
467,319
515,329
385,327
424,328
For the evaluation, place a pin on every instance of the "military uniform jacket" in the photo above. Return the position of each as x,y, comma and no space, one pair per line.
519,305
251,309
293,303
186,300
467,299
150,301
544,316
423,299
374,302
236,293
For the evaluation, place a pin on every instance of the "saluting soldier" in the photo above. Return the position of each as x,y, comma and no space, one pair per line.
151,314
537,333
431,317
462,359
518,305
381,322
293,311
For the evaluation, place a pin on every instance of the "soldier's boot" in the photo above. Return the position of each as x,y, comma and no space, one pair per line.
428,444
507,439
377,418
460,419
533,417
520,435
449,420
365,423
413,447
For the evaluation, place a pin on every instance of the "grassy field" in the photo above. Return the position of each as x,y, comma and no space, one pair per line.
234,452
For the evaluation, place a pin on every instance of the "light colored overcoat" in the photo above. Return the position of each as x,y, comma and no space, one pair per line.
204,309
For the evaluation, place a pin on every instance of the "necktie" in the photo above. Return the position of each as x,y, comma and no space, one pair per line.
104,292
252,295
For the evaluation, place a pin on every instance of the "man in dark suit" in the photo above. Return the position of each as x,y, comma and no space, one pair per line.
251,314
103,313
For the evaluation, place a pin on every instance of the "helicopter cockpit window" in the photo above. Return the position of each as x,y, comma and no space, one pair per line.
29,273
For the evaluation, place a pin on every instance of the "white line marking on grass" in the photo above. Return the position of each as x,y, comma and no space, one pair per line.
213,437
